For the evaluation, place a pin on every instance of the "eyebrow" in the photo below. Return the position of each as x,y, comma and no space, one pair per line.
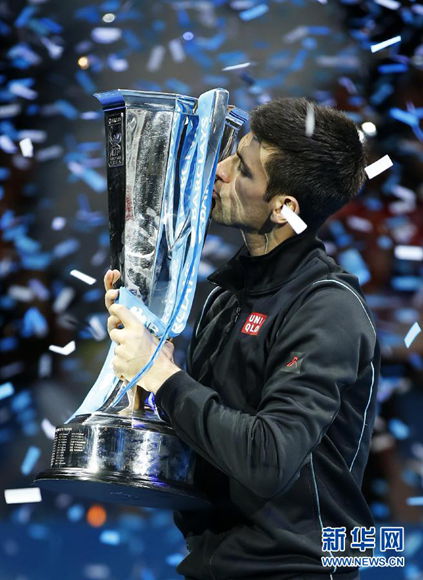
243,161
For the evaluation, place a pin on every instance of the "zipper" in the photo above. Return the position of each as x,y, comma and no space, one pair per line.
232,322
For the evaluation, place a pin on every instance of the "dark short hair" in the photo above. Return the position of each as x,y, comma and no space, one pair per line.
323,171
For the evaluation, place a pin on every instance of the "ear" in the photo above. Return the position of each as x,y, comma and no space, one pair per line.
278,202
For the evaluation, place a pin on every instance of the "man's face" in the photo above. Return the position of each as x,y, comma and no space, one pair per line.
240,186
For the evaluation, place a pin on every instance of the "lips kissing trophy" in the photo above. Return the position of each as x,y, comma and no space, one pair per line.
162,151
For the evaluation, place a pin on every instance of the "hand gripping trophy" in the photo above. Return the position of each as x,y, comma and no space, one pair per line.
162,151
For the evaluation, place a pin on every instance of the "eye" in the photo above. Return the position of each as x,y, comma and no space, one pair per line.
243,170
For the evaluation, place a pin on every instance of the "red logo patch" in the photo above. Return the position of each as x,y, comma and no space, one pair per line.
293,362
253,323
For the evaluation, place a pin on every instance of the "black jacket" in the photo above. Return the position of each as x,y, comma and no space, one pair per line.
279,403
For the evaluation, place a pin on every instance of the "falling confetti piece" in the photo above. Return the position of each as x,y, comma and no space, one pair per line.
23,495
294,220
65,350
237,66
26,147
415,500
254,12
310,120
156,58
30,459
83,277
48,429
6,390
378,166
391,4
411,334
385,44
409,253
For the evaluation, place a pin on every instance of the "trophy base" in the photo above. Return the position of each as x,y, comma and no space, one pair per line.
123,459
114,490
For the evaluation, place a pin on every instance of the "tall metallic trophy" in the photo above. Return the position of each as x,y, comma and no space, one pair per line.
162,150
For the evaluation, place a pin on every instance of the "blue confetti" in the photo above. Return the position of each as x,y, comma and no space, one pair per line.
6,390
66,247
34,323
30,459
23,18
110,537
38,531
254,12
398,429
67,109
85,81
392,68
174,559
404,116
352,261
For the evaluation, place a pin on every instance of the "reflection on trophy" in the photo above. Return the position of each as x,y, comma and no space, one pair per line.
162,151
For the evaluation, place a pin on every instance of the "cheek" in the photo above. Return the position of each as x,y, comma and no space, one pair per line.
244,188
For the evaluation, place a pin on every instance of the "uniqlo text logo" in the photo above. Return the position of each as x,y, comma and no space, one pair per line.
253,323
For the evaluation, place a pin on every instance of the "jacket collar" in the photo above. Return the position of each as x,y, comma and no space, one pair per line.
258,274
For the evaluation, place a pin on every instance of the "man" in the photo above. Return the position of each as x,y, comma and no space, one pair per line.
279,396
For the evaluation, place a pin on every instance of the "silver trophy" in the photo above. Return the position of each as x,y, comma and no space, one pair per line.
162,150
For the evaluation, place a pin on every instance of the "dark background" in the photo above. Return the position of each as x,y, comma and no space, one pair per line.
55,55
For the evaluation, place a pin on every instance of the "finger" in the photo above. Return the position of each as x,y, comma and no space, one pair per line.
110,297
116,276
110,277
113,322
117,335
120,352
125,315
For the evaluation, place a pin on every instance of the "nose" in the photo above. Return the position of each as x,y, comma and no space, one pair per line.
223,170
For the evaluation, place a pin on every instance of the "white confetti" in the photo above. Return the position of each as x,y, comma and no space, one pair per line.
378,166
83,277
404,193
391,4
21,293
10,110
237,66
156,58
97,329
105,35
360,224
20,90
26,147
7,144
63,299
48,428
44,365
58,223
6,390
177,50
65,350
385,44
310,120
48,153
23,495
409,252
411,334
296,34
55,50
294,220
35,135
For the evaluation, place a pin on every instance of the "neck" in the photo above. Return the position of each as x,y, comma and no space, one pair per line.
260,244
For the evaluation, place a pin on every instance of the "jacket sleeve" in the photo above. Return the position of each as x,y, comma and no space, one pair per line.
334,337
